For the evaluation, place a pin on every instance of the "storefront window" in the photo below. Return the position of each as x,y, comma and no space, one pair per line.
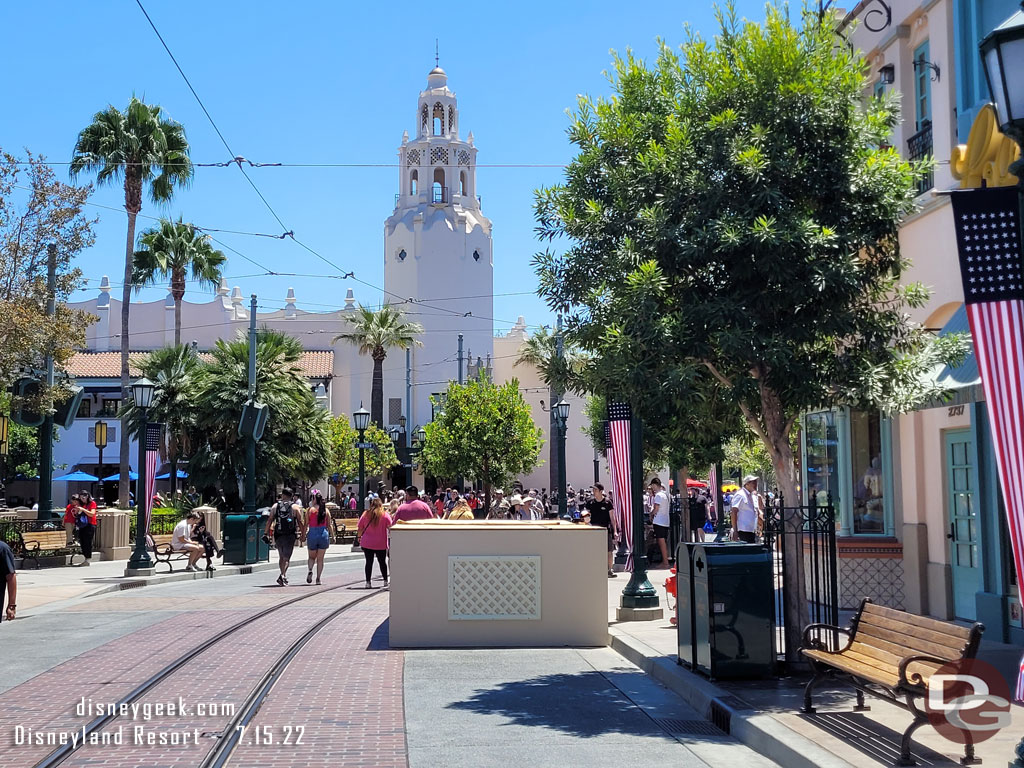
821,457
868,488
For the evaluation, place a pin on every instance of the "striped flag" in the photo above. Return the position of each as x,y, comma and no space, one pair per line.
154,436
988,234
619,418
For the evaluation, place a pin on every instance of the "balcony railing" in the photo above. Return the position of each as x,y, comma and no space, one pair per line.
920,148
439,195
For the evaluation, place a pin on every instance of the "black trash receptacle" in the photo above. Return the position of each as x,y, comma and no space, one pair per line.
684,605
263,551
240,545
733,591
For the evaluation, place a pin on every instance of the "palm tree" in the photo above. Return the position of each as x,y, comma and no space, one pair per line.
140,148
375,333
171,251
176,371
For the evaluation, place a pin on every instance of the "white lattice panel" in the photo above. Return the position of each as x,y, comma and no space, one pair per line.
494,587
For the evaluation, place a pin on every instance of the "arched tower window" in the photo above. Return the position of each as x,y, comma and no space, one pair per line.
440,193
451,118
438,118
414,179
462,183
423,119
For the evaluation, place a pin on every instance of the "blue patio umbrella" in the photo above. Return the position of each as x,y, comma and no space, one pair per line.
78,476
132,475
167,475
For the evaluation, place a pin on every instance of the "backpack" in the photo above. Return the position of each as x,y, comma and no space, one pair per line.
82,519
284,519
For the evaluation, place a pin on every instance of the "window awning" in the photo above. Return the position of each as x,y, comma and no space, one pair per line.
963,381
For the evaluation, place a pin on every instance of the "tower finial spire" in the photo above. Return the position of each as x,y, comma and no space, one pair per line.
437,55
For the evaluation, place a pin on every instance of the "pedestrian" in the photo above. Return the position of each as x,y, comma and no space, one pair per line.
181,541
285,520
499,506
450,500
352,503
8,581
85,527
202,536
414,508
515,508
660,518
700,515
318,538
461,511
600,511
373,538
70,512
746,511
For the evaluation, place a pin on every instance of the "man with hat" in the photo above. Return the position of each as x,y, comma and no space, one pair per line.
746,511
499,506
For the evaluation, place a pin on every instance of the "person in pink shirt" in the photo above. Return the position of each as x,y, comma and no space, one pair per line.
373,538
414,508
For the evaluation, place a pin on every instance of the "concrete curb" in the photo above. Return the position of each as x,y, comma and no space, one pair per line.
761,732
222,570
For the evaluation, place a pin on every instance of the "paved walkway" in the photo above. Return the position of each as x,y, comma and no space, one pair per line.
835,736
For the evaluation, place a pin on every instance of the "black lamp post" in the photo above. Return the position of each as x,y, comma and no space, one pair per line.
142,393
99,439
5,449
1002,54
361,420
561,411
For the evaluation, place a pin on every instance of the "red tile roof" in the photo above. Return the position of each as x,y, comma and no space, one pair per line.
315,363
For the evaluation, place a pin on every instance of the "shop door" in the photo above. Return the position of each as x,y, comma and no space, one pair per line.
962,532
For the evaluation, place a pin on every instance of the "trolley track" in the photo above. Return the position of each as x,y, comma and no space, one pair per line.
62,753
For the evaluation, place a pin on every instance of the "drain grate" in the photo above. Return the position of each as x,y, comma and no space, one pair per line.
689,727
245,569
131,585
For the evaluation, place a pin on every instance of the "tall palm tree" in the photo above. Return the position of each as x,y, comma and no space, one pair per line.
140,148
172,251
375,333
176,371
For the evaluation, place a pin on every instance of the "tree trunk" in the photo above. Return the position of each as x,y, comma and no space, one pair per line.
776,429
487,486
377,391
178,293
132,204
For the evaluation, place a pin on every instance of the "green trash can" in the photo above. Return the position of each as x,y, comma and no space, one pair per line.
264,548
684,605
240,539
732,597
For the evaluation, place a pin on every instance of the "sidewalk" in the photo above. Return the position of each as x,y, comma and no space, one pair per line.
766,715
50,588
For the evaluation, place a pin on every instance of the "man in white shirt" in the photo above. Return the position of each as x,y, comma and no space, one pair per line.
746,511
181,541
660,518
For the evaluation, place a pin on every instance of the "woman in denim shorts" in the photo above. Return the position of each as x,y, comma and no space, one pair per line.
318,537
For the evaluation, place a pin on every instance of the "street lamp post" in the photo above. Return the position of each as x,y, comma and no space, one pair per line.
99,439
142,393
361,420
5,450
561,411
1002,54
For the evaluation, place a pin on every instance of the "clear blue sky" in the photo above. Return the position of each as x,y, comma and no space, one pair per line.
317,82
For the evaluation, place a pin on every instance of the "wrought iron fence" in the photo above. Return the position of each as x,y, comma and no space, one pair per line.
11,529
159,523
920,148
812,530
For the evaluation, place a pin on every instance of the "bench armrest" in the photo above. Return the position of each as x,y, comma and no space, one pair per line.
815,642
915,680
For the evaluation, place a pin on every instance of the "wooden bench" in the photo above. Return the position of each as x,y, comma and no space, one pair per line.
890,654
35,542
344,529
162,552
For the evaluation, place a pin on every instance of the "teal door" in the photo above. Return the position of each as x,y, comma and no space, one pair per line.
962,533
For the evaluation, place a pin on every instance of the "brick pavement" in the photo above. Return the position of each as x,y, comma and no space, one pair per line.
347,692
47,702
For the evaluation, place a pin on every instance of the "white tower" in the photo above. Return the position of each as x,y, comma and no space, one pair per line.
437,252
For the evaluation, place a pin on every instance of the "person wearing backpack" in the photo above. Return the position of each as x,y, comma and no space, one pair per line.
85,527
69,518
285,521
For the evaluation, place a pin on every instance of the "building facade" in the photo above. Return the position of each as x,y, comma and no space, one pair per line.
921,524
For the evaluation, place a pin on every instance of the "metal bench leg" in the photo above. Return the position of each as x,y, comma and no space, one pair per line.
819,675
861,706
969,757
920,718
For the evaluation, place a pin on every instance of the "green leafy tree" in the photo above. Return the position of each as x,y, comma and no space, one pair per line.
139,148
296,443
35,211
177,372
733,209
485,432
345,456
375,333
174,251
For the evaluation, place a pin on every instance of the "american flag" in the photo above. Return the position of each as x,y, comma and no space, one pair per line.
154,436
619,418
988,234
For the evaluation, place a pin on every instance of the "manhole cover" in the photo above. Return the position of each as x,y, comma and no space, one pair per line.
689,727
